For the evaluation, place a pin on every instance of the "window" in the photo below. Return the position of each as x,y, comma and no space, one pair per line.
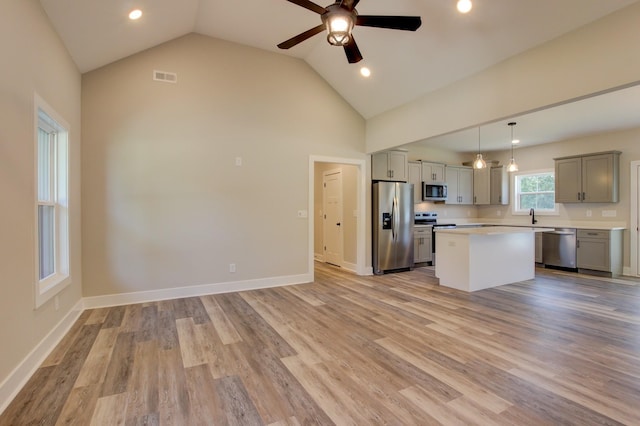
534,190
52,204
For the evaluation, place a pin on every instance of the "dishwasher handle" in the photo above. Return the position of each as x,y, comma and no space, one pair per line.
560,232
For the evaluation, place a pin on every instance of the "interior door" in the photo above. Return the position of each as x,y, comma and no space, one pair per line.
332,207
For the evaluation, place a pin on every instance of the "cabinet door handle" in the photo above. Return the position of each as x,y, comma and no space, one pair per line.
583,197
578,244
578,196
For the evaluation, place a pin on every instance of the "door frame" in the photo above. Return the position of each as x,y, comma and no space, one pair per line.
324,212
634,219
361,268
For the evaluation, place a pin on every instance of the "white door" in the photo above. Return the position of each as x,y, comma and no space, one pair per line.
332,207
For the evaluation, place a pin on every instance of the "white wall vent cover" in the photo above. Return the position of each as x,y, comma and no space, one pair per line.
167,77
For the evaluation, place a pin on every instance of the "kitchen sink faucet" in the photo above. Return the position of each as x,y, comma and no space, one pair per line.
532,213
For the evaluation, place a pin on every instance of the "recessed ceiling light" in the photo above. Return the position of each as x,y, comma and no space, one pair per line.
366,72
135,14
515,141
464,6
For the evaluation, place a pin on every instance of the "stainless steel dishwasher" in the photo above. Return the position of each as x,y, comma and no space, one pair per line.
559,248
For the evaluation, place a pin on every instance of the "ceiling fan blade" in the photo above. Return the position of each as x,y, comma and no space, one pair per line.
407,23
352,51
309,5
301,37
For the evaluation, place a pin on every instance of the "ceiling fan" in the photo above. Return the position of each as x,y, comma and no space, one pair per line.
339,19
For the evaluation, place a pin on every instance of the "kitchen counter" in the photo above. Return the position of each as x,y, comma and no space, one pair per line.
546,223
471,259
493,230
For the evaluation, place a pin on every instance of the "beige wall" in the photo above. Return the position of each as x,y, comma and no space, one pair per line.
33,61
164,203
591,59
349,206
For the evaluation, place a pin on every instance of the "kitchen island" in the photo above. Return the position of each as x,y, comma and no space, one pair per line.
473,259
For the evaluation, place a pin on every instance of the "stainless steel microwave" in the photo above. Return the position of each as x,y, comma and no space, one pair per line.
434,191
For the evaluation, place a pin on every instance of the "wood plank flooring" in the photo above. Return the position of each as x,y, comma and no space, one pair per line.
395,349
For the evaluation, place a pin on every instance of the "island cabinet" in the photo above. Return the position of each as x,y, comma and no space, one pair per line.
591,178
433,172
390,166
459,185
415,177
482,186
599,250
422,248
499,192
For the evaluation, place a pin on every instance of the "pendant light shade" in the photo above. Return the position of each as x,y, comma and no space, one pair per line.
513,166
479,162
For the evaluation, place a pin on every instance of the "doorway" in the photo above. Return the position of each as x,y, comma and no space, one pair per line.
634,219
332,234
356,212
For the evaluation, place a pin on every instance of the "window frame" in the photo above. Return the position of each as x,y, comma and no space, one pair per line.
47,119
515,205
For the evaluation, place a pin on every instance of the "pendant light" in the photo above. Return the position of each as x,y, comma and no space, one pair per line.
479,163
512,167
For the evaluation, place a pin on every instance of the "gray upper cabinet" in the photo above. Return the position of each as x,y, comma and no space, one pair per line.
433,172
481,186
389,165
415,177
459,185
499,185
591,178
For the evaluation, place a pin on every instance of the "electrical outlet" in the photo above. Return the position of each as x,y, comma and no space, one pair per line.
609,213
238,161
589,213
232,268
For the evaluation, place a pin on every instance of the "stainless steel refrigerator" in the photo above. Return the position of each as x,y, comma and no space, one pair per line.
392,226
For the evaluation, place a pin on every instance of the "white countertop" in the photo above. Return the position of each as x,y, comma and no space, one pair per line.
493,230
547,222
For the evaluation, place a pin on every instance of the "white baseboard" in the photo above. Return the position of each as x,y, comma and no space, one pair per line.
626,271
16,380
368,270
192,291
351,267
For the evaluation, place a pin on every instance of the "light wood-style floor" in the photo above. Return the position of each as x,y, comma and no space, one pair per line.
395,349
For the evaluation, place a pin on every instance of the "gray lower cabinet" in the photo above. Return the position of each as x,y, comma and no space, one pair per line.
600,250
422,245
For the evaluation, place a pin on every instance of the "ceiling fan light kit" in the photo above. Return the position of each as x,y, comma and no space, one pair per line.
339,23
339,18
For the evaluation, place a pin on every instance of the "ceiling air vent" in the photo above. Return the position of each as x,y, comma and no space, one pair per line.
167,77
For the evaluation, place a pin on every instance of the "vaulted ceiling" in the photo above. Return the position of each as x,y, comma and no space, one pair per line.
405,65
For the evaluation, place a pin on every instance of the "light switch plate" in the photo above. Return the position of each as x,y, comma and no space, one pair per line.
302,214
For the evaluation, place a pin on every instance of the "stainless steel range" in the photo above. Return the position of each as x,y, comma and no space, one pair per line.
430,219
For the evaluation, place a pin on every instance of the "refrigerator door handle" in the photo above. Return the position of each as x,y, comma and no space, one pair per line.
396,218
